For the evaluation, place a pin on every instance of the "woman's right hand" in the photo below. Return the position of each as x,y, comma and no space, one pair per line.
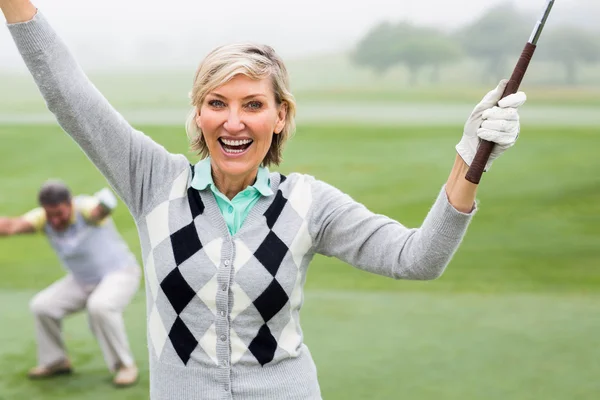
17,10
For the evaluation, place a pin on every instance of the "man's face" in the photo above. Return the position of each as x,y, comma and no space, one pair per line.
59,215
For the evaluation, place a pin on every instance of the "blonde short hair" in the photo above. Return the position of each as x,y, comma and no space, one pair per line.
256,62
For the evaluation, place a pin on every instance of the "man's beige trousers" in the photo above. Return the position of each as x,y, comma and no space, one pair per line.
104,302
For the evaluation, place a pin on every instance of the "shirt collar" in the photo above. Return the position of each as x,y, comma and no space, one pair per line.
203,178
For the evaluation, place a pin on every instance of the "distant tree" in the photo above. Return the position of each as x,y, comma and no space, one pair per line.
423,47
389,45
571,47
373,50
497,36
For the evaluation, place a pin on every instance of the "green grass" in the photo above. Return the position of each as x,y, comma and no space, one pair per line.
514,316
374,346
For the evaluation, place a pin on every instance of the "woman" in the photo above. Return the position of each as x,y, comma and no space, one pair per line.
226,244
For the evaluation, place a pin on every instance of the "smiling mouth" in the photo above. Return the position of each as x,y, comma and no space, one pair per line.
235,146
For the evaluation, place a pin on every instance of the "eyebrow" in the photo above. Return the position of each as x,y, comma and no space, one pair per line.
250,96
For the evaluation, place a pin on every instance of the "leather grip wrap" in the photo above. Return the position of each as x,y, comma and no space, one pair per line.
485,148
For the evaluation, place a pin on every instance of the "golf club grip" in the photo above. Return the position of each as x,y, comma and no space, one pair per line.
485,148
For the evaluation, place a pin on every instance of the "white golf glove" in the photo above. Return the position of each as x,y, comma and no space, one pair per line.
493,120
106,198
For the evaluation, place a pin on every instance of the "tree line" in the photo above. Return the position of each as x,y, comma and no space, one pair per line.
495,38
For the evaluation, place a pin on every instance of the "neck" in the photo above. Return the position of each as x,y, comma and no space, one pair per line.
230,186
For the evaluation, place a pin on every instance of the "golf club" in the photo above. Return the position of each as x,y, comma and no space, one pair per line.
485,147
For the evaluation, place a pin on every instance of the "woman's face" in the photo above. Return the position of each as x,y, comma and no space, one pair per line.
238,120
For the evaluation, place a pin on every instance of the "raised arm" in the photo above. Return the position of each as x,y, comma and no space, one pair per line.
135,166
98,207
10,226
347,230
494,120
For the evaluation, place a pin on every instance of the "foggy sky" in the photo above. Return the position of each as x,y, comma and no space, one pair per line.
121,33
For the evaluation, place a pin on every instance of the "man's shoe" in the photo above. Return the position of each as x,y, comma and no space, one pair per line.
126,376
50,371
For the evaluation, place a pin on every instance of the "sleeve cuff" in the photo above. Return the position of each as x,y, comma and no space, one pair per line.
446,220
32,36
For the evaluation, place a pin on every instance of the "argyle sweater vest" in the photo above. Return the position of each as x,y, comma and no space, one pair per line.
223,305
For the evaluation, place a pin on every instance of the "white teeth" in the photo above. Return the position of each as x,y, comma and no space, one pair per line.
232,151
236,142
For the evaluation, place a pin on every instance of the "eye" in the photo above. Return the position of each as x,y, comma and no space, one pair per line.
254,105
216,103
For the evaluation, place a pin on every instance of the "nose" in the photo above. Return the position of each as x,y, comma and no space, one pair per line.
234,123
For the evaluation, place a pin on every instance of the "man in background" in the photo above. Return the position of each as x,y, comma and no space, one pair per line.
103,276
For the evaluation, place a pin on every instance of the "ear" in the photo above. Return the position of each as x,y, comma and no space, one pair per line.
198,119
281,118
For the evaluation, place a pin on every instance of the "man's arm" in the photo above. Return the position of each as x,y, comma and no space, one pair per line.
98,214
15,226
104,202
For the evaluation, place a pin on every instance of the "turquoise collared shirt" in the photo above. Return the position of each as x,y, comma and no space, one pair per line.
236,210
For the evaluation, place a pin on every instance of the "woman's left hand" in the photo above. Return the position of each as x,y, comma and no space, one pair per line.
493,120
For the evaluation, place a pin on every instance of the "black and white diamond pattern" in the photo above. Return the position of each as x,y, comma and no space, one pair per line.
274,210
301,201
182,339
185,243
273,298
271,301
263,346
267,282
177,290
196,205
271,252
184,284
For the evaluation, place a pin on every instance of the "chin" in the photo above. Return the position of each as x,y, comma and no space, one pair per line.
237,166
